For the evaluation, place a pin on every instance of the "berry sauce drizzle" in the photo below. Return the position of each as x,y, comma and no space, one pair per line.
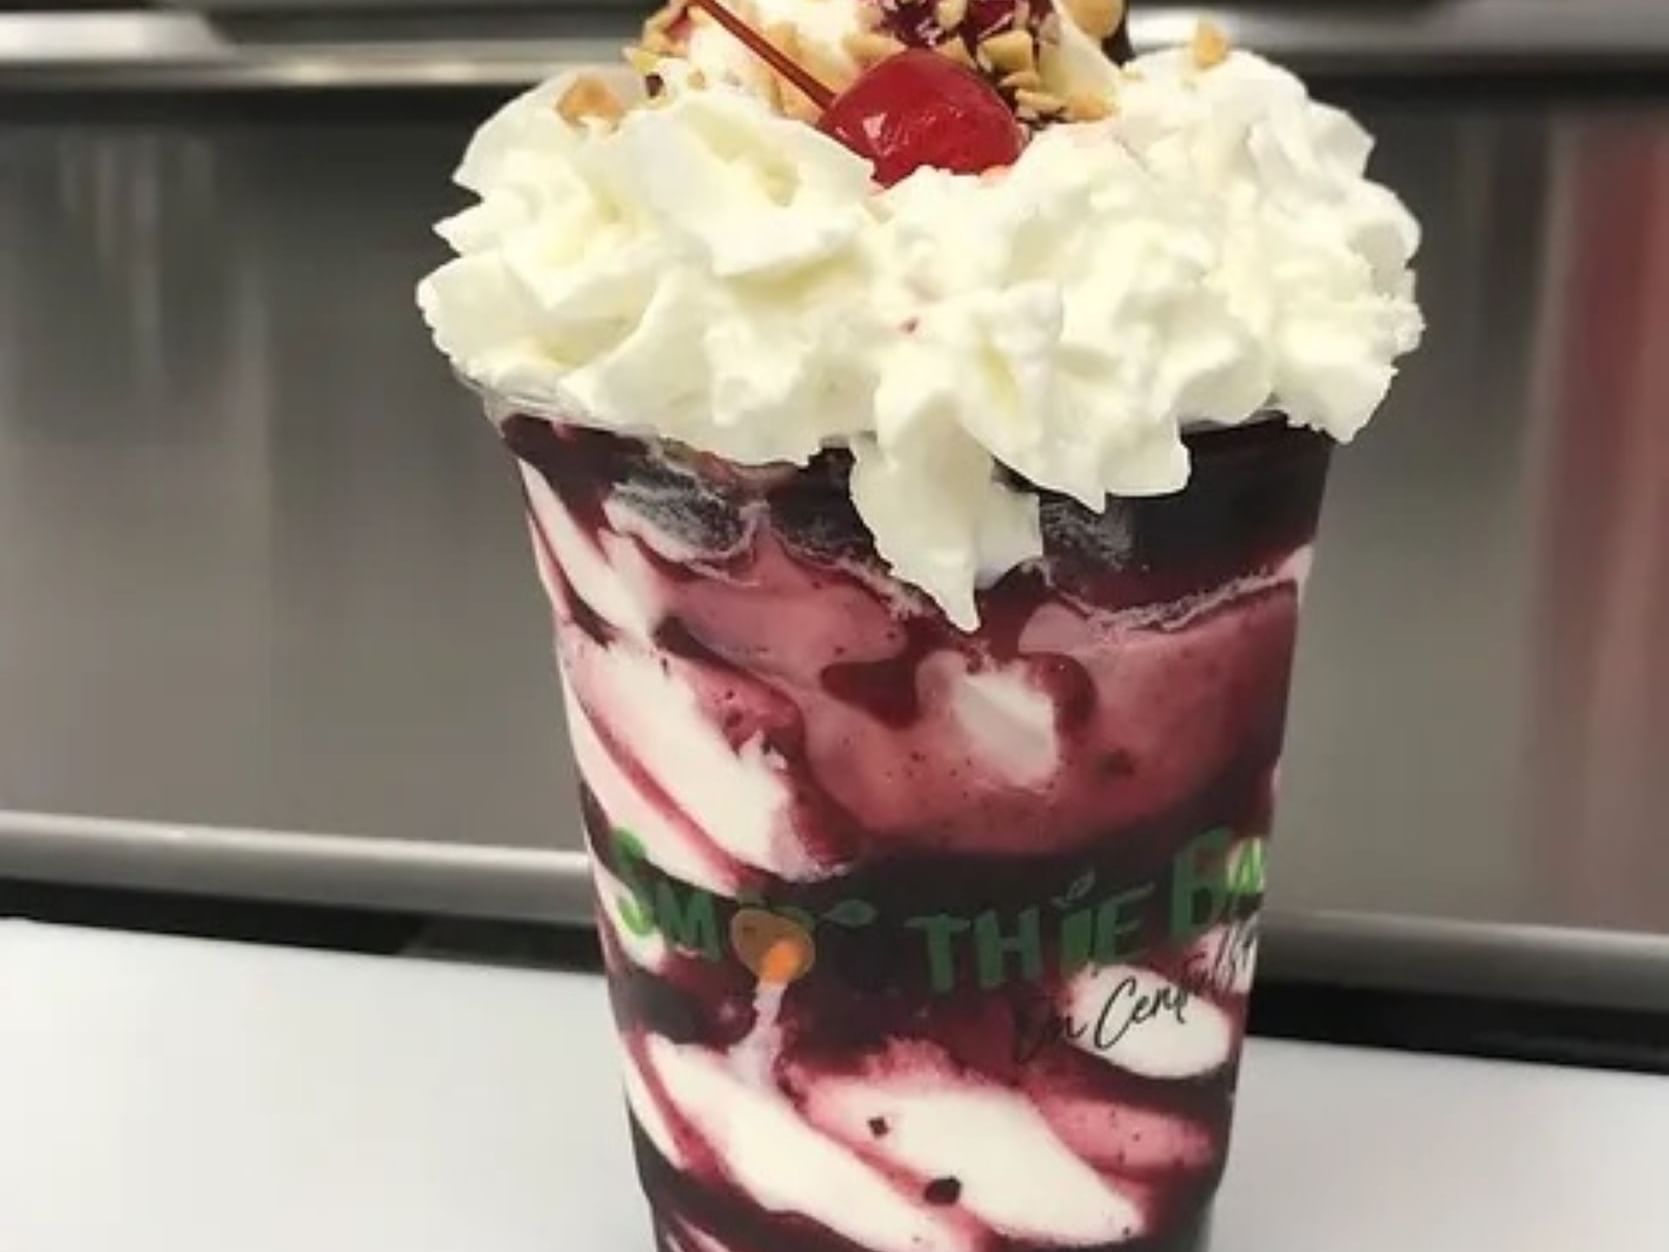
1008,880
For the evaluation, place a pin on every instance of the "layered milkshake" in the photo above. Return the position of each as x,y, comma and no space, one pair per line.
922,412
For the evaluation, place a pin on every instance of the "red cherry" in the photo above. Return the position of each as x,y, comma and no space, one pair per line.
918,108
913,109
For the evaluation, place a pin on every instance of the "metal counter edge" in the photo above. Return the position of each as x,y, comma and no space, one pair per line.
1552,965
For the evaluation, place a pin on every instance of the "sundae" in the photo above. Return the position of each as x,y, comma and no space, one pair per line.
922,411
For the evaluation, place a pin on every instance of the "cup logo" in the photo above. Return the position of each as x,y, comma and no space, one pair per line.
775,949
1089,922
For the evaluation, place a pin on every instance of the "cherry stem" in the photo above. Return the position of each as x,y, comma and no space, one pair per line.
766,51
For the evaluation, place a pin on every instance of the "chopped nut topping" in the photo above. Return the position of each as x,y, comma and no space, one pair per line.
1086,106
695,80
955,50
866,47
949,13
588,97
642,60
785,37
1031,80
797,105
1008,52
829,67
1210,46
782,95
1038,104
1096,18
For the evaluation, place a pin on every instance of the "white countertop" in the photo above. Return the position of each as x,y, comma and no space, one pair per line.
170,1095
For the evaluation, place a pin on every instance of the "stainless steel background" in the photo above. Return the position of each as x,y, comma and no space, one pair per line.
267,625
424,43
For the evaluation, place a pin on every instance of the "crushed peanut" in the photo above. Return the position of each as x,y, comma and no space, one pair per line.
1030,80
828,66
657,30
1210,47
785,38
1096,18
1008,52
1033,105
866,47
1086,106
797,105
589,98
955,50
783,96
643,60
949,13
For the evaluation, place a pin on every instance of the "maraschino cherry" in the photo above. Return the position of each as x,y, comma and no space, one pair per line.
913,109
917,108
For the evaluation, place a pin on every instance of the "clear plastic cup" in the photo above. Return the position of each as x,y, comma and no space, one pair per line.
921,940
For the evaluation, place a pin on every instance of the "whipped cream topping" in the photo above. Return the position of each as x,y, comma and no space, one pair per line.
713,272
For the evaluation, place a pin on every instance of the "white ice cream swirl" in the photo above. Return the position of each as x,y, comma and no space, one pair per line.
712,272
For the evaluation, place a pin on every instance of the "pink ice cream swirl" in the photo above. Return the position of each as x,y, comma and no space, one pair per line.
923,941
